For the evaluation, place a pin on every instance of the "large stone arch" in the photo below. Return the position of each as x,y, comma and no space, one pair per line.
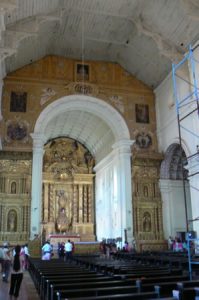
90,104
172,166
116,162
175,191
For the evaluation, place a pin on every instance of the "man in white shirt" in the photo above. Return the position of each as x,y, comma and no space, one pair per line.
68,250
46,251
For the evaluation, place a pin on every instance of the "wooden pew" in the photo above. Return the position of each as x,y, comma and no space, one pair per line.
49,280
129,296
92,288
144,283
188,283
190,293
49,275
139,296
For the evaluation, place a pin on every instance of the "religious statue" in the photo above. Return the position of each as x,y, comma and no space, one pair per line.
146,222
12,221
63,223
13,187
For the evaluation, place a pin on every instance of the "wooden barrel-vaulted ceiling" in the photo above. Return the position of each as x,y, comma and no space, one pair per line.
143,36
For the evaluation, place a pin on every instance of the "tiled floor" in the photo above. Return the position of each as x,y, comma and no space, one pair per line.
27,291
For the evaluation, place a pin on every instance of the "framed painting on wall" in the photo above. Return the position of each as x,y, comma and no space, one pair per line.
18,102
82,72
142,113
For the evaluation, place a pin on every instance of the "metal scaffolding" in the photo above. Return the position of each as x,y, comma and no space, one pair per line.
186,93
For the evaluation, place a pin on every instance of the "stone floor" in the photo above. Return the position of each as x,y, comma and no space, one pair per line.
27,291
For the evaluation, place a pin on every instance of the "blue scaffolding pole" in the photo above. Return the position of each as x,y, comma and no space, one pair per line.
190,99
186,106
193,254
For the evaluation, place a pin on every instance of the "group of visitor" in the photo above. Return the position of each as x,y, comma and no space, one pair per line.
177,245
110,249
64,250
13,261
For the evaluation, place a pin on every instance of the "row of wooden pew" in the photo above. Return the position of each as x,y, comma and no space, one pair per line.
95,278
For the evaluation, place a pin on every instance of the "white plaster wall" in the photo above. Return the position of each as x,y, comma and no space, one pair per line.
166,110
167,133
173,201
167,122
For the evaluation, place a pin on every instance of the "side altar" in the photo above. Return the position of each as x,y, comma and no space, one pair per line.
80,247
63,238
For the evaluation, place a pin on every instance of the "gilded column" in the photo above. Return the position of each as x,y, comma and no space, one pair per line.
4,220
1,217
38,142
80,203
161,222
85,203
75,216
90,206
24,185
51,205
25,218
4,185
155,229
46,186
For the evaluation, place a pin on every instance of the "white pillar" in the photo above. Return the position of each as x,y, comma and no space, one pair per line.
193,168
165,190
122,153
113,193
37,163
103,182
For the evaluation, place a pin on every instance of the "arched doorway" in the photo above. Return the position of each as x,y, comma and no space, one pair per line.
103,131
175,193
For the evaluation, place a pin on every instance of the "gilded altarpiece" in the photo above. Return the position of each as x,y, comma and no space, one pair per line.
15,188
68,200
147,204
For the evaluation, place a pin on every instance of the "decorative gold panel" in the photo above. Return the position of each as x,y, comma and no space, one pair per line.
53,77
68,202
15,190
147,205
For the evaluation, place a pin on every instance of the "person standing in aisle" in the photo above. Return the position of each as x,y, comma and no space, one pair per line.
68,250
16,273
46,251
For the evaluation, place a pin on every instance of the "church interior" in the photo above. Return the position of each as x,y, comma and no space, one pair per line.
92,141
